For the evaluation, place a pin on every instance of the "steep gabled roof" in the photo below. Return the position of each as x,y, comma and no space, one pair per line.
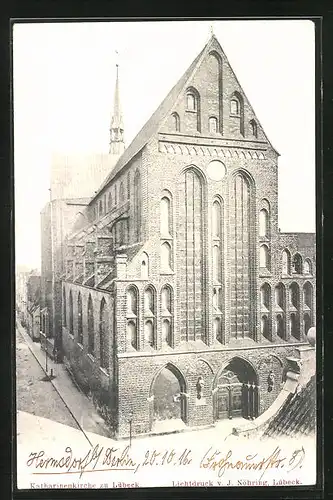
298,414
152,124
155,121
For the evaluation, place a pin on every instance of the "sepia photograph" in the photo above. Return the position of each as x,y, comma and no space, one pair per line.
165,253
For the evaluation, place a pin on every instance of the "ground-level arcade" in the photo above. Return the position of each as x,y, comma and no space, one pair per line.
167,393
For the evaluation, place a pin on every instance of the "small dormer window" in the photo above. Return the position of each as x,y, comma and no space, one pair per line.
234,106
190,101
212,125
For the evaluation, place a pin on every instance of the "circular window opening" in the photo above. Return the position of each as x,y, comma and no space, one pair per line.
216,170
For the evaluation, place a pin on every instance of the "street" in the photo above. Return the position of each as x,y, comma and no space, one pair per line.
33,395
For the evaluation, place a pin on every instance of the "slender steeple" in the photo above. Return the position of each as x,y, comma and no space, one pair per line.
117,145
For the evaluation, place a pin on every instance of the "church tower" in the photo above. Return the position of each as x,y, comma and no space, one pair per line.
117,145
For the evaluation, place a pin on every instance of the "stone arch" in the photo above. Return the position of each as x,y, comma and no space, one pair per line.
246,174
243,360
278,359
168,395
208,364
236,389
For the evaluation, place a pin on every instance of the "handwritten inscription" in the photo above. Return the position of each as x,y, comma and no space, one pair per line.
216,461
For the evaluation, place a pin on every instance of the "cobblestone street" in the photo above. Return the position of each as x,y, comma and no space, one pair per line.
33,395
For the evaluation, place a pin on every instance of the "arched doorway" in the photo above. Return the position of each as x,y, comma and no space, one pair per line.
168,399
236,391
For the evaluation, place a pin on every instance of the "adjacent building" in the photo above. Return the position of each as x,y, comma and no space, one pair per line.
170,291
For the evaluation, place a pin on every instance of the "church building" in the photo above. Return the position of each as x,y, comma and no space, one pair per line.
170,292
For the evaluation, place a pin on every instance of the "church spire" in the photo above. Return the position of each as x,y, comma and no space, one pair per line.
117,145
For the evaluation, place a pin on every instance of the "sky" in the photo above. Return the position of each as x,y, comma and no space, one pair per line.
63,81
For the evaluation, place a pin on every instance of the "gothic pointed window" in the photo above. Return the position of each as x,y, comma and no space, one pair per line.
165,216
297,264
149,316
166,315
166,332
132,316
280,326
307,323
254,128
216,264
176,122
166,257
64,306
234,106
294,295
149,333
193,108
121,193
91,332
216,220
280,296
237,111
308,295
217,329
265,296
265,326
166,300
137,205
131,302
264,257
213,125
79,320
131,332
103,332
149,302
285,262
263,223
71,314
190,101
307,267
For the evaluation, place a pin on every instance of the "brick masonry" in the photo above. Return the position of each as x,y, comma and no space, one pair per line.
117,245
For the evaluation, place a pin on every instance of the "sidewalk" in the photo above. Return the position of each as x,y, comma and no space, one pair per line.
77,402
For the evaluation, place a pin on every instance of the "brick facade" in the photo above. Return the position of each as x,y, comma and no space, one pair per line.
210,287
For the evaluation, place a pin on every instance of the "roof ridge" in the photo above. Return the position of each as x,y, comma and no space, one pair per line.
148,128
